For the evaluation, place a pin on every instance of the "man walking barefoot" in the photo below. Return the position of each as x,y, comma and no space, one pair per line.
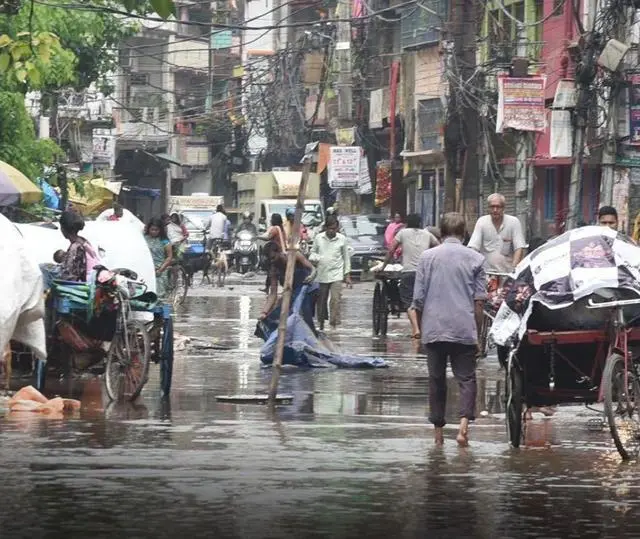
451,286
330,252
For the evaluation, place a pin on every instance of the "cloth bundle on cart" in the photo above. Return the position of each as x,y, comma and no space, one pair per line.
562,274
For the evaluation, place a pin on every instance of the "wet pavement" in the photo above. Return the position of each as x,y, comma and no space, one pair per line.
351,457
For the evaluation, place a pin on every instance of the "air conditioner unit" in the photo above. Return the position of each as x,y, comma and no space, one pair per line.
129,61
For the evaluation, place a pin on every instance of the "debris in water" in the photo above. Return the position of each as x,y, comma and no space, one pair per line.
29,399
254,399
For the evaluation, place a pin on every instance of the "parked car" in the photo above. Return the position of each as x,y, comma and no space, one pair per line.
366,240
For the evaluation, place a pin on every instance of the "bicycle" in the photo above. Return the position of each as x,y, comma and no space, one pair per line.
129,355
177,284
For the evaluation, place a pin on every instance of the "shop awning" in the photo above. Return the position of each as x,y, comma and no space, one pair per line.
165,157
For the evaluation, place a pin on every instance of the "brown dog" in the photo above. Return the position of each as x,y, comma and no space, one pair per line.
221,266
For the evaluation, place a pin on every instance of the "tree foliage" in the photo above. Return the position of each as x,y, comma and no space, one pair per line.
51,47
18,143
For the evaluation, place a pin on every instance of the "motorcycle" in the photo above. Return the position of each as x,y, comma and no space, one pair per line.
245,251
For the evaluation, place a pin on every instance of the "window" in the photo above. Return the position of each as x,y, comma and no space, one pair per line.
550,195
430,115
422,25
557,7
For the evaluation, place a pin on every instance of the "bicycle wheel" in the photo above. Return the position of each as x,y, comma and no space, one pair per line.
621,405
384,311
127,369
375,314
513,396
179,285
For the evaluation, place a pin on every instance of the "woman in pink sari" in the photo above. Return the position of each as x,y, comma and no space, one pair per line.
390,233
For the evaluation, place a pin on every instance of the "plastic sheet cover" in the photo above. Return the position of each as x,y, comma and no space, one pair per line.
303,348
562,272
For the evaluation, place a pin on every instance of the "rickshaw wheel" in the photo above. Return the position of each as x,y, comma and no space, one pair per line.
375,313
513,416
127,368
384,310
484,335
179,285
621,406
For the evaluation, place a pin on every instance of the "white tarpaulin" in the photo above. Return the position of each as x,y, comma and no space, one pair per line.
127,217
22,305
563,271
561,143
120,245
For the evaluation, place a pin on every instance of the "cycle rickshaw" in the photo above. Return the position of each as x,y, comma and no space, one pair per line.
386,300
95,323
570,324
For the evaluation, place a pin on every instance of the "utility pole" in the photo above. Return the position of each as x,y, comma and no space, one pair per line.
461,130
346,198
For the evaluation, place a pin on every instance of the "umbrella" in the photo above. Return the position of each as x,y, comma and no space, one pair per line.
16,187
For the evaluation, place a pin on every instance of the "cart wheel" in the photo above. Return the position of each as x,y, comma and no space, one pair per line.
179,285
384,311
483,338
375,313
128,359
621,401
513,395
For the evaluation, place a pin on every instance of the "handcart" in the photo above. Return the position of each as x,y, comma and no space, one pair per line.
386,300
95,324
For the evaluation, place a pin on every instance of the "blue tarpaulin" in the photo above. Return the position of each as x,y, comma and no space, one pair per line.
49,195
303,348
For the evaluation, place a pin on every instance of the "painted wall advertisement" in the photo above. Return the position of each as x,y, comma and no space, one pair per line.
521,104
634,109
344,167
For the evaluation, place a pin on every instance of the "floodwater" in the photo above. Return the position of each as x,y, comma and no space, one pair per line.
352,457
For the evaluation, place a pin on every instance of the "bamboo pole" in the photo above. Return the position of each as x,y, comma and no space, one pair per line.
292,249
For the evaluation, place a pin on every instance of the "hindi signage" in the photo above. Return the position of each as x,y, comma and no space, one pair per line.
344,167
521,104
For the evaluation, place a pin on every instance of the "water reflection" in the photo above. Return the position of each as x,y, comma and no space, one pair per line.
351,457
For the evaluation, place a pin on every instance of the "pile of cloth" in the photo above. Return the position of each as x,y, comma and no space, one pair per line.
303,347
555,281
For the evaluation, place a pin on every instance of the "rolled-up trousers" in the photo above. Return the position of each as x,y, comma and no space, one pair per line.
463,365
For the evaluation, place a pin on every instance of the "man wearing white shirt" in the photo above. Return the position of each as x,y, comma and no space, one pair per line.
498,237
331,253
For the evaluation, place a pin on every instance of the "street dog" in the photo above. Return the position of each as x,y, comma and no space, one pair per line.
220,265
193,265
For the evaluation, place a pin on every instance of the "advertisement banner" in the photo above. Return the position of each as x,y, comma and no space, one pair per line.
344,167
634,109
561,143
364,180
521,104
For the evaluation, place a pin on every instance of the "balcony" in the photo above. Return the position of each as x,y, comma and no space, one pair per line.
189,54
144,124
223,64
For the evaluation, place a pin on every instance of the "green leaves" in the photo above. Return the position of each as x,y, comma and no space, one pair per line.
164,8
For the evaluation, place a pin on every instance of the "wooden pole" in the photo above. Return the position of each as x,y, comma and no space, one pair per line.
288,279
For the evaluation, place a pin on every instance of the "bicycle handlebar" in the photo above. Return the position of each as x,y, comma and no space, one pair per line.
609,304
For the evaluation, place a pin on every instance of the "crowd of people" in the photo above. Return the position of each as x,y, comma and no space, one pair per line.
443,283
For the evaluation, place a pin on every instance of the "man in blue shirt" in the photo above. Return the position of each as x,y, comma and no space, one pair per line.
450,290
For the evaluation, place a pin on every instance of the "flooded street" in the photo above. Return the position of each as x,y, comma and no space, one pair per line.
351,457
